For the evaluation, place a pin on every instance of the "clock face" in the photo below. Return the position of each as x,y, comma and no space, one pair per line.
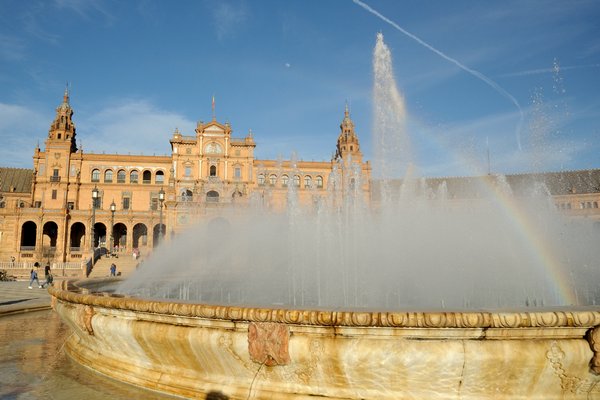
213,148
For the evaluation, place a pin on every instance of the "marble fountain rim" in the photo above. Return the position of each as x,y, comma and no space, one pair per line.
78,292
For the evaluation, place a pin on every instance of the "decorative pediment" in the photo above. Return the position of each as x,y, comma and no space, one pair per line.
214,129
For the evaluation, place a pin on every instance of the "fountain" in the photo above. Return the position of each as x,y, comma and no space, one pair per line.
418,295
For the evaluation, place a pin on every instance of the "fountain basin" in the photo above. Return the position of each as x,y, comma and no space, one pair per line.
261,353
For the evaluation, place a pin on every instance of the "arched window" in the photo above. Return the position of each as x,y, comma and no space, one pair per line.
213,170
121,176
284,180
320,182
160,177
297,180
96,175
261,179
187,195
212,197
307,181
134,177
272,179
147,177
108,176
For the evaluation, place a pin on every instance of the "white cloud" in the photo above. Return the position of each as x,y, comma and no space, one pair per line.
227,18
20,129
11,48
85,8
131,126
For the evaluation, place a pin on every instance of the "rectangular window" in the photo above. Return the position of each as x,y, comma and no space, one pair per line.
154,203
71,205
54,193
37,204
188,171
55,172
237,172
126,201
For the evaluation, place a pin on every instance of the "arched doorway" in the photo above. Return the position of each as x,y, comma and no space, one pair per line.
212,197
50,234
49,238
28,235
120,237
99,235
157,234
77,236
140,236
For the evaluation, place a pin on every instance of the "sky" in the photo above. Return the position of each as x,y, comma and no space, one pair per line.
496,86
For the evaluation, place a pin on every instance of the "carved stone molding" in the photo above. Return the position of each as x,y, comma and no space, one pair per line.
465,319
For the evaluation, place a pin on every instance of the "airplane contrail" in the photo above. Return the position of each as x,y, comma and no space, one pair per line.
476,74
549,70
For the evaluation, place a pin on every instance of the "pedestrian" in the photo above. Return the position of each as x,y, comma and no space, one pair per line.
46,271
34,275
113,270
12,261
49,280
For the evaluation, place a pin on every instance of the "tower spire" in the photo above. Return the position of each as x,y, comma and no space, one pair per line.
66,95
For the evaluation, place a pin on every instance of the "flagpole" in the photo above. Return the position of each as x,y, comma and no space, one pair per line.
213,108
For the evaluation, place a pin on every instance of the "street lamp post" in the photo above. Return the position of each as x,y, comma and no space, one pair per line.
113,208
95,193
161,199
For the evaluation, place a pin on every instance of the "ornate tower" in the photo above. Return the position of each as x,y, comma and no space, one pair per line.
62,130
53,166
348,147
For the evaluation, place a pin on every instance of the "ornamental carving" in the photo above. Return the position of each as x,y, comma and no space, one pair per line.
594,341
86,314
268,343
507,320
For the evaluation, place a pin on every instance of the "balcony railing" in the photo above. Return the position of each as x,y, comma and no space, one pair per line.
55,178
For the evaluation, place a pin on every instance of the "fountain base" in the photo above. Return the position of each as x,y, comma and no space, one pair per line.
259,353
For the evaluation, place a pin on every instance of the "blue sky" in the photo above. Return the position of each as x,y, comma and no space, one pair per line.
285,69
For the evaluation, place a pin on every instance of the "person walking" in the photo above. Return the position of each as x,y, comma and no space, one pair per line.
46,271
33,275
113,270
49,280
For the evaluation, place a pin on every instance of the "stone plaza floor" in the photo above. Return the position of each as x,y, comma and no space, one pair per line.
16,297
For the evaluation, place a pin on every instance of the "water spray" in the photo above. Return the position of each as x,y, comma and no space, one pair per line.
471,71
